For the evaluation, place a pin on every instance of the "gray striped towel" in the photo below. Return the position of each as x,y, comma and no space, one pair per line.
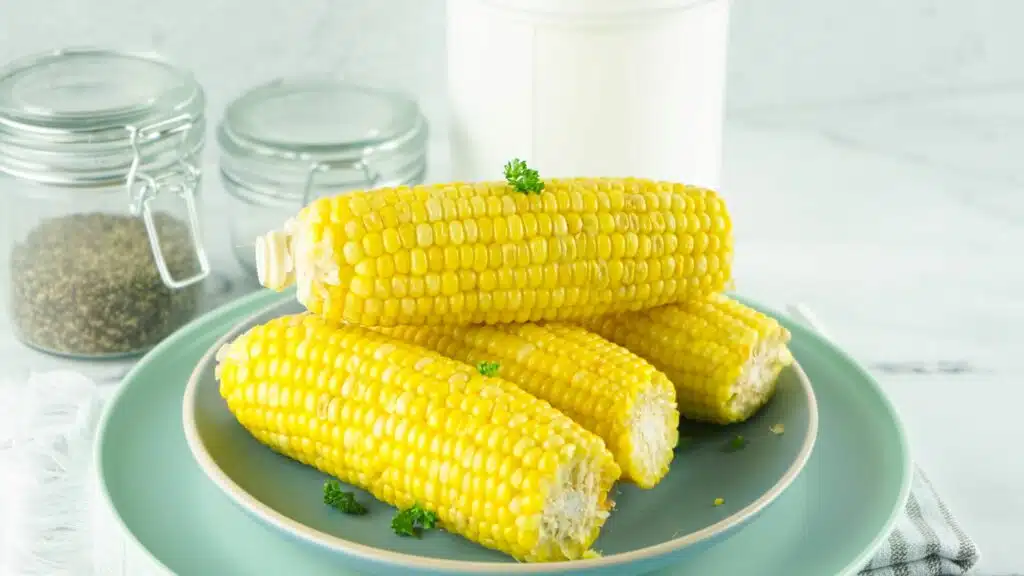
926,540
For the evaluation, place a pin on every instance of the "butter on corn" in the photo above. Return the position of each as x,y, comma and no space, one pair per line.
609,390
497,465
723,357
484,253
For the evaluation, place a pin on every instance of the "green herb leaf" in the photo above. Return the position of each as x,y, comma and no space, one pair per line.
737,443
523,178
403,525
488,368
413,521
341,500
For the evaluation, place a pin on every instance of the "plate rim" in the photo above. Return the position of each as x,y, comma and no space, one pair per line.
367,553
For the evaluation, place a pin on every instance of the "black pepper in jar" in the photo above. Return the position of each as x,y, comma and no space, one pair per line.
87,284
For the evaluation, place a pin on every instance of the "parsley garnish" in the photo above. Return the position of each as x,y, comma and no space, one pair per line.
523,178
737,443
488,368
341,500
413,521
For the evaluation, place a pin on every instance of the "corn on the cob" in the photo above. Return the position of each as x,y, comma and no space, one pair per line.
497,465
610,391
484,253
723,357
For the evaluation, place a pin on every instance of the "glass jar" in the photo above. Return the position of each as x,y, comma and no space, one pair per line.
99,181
290,141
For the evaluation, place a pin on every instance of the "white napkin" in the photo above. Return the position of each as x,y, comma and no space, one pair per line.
53,524
45,453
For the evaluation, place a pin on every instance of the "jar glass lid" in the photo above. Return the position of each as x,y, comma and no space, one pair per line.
318,114
79,116
88,89
273,135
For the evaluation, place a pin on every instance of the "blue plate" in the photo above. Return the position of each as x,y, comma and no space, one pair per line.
828,521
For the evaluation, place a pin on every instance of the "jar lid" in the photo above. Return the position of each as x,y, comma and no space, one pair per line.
68,117
276,135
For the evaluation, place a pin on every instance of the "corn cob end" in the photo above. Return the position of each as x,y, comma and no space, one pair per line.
273,260
758,376
653,434
301,254
575,509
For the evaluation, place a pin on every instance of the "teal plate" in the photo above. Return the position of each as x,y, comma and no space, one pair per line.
648,529
829,521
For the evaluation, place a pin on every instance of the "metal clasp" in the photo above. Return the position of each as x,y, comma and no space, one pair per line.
370,177
182,183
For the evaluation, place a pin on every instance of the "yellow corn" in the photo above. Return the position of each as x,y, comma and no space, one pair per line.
604,387
485,253
723,357
497,465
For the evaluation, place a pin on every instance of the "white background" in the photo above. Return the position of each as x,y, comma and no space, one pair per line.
874,160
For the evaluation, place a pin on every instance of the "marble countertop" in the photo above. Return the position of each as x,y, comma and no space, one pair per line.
890,202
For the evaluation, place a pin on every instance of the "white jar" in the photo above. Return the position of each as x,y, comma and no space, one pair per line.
588,87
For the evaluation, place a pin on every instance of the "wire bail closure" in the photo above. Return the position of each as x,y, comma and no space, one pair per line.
370,178
182,183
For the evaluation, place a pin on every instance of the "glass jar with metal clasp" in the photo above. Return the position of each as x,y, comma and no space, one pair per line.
102,254
289,141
